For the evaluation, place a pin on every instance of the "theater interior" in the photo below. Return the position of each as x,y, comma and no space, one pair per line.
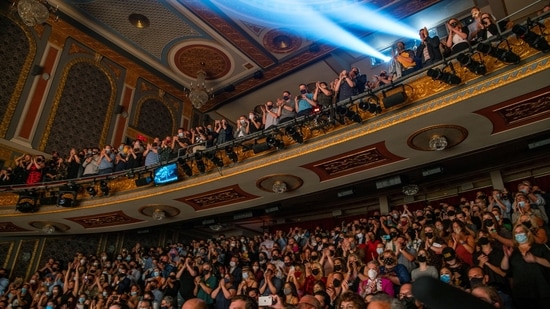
94,73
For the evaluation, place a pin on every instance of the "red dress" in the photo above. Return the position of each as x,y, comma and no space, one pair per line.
35,174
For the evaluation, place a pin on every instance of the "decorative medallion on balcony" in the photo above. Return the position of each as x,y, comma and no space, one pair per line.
104,220
525,109
217,198
353,161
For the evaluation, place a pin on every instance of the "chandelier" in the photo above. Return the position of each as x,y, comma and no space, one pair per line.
279,186
158,214
438,143
34,12
410,190
48,229
198,94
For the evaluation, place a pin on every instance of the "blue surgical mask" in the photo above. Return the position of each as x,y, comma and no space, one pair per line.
445,278
245,276
81,300
23,290
521,238
521,204
49,307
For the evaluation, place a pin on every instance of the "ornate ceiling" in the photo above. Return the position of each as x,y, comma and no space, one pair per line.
185,36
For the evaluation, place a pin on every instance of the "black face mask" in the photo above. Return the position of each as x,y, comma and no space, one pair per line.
205,272
388,261
315,272
336,283
393,234
314,257
409,302
337,267
476,282
488,222
429,235
421,258
483,241
450,213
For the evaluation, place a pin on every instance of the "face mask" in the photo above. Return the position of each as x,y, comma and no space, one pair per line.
286,98
49,307
180,135
288,264
81,300
488,222
476,282
524,191
337,267
303,91
521,238
245,276
226,280
31,282
450,213
336,283
96,264
497,217
388,261
446,278
483,241
314,257
232,264
409,302
128,258
23,290
133,293
205,272
163,307
255,268
155,274
457,230
372,274
119,257
521,204
421,258
287,291
379,250
360,235
315,272
104,294
104,258
393,234
429,235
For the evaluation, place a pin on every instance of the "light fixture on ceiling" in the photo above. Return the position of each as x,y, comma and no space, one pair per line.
139,21
279,186
27,201
216,227
198,93
34,12
410,190
438,142
158,214
48,229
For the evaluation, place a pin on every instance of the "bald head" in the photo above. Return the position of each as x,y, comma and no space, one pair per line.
194,303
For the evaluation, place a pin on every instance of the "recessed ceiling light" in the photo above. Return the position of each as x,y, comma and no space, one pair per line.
139,21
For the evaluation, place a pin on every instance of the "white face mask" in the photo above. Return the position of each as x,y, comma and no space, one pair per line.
372,273
379,250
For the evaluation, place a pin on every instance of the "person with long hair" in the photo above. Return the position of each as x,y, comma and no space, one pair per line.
462,242
457,40
528,264
290,293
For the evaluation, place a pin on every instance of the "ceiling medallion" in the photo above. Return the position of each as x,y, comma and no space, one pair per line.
192,59
437,138
279,183
281,41
159,212
139,21
50,227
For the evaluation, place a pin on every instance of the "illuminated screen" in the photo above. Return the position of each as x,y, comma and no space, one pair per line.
166,174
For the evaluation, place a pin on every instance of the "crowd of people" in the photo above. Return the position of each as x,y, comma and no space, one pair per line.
494,247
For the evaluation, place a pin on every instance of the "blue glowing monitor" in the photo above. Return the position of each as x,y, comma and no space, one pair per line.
166,174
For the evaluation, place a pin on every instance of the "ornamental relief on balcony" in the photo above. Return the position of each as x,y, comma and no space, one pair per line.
217,198
104,220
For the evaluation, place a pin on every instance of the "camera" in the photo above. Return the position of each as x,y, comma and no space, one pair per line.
265,301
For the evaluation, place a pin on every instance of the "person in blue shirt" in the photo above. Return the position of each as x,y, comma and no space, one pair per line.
304,102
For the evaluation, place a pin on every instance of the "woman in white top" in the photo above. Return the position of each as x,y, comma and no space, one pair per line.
457,40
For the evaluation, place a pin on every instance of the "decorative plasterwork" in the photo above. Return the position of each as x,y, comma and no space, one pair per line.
7,227
292,182
354,161
531,107
217,198
104,220
190,59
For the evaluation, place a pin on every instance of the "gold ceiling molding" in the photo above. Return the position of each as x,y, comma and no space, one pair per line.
454,134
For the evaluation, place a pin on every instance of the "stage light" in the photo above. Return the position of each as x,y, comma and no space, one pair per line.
230,153
499,53
67,196
273,141
199,162
27,201
212,156
534,40
294,133
186,168
394,96
370,103
446,77
476,67
92,191
348,113
104,187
